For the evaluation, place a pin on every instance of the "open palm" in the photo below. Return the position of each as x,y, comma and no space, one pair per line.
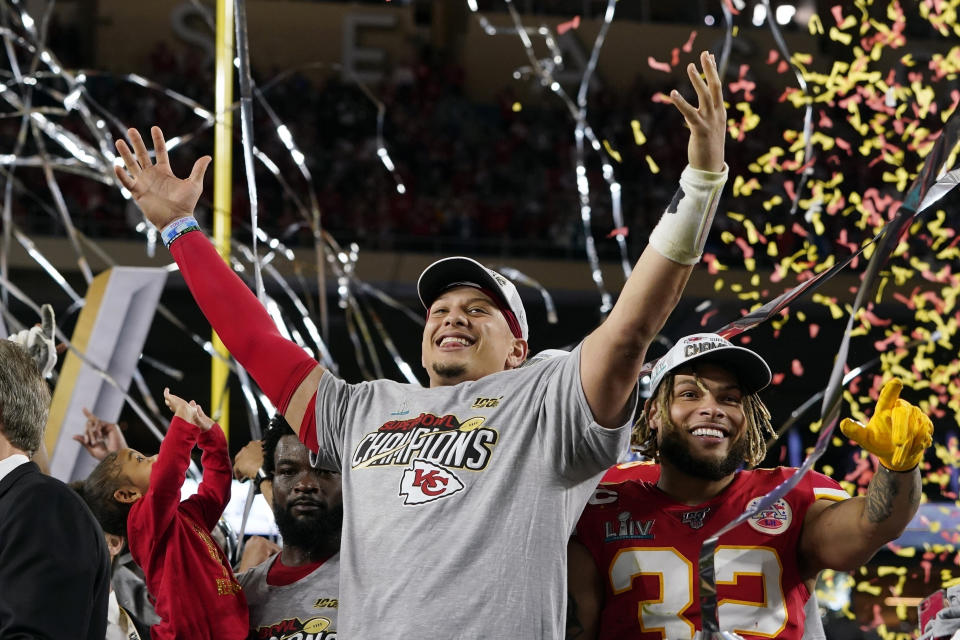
707,121
162,196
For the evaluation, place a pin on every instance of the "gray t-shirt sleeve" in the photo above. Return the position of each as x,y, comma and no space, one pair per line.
248,579
333,398
569,433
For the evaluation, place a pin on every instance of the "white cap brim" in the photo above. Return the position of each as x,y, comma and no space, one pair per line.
751,370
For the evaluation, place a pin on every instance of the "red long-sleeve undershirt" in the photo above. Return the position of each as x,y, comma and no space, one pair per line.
276,364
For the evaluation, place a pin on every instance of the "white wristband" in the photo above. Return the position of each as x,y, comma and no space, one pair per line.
683,227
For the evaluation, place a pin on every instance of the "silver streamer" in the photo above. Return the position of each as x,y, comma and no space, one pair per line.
284,135
381,147
39,122
324,243
806,165
556,56
45,264
727,38
313,215
74,154
401,365
246,132
945,183
544,71
390,302
522,278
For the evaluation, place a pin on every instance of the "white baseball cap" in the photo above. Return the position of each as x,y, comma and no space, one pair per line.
751,370
460,271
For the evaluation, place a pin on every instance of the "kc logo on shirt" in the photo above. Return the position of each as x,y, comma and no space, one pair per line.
431,448
426,482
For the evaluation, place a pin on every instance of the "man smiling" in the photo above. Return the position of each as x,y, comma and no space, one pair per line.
633,561
469,308
458,499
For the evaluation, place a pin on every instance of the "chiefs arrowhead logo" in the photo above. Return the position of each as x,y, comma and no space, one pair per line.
426,482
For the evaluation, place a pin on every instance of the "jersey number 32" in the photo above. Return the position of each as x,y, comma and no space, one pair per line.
675,573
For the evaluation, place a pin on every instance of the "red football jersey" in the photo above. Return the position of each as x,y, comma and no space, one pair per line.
647,548
646,470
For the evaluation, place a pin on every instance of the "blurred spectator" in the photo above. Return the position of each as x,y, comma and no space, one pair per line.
300,582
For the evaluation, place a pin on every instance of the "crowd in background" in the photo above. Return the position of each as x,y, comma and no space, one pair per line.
482,178
495,178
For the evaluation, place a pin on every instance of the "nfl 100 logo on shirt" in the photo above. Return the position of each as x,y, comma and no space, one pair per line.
432,448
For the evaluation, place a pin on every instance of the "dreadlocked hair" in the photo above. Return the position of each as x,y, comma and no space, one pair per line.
277,429
756,414
97,491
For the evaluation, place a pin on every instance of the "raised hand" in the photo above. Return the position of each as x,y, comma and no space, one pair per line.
161,196
39,341
898,433
707,121
248,461
187,411
100,437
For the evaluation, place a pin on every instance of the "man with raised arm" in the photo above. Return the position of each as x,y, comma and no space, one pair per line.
458,499
634,560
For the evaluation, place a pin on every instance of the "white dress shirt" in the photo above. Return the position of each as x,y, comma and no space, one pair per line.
9,464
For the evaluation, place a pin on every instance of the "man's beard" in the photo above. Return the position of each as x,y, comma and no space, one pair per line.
317,533
676,451
449,371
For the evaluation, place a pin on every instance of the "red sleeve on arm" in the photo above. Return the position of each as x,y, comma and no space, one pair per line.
277,365
308,435
154,512
211,499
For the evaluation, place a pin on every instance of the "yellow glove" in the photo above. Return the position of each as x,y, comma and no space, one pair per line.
898,433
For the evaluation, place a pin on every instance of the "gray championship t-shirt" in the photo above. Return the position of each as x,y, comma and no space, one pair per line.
458,501
305,609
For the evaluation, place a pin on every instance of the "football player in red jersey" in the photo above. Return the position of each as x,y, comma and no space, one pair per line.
649,471
633,561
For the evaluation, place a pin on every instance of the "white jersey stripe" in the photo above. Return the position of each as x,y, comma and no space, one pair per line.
830,494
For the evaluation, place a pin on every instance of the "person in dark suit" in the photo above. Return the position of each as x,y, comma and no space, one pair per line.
54,566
